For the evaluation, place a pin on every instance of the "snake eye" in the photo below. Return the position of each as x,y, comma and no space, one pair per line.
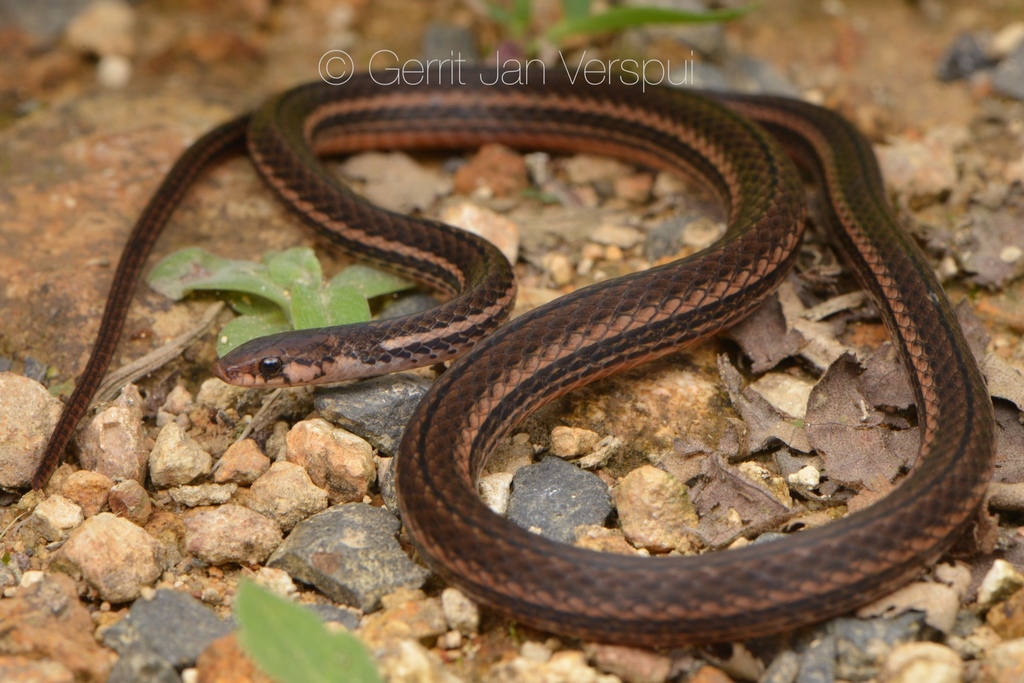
271,367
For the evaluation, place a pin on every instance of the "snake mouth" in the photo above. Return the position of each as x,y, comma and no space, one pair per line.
231,374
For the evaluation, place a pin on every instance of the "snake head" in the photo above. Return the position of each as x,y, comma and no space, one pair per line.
278,360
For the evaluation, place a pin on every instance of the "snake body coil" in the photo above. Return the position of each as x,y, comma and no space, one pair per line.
511,370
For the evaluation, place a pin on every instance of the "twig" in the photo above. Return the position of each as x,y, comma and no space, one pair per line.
156,358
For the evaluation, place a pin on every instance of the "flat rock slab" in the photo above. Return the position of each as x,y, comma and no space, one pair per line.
174,625
376,410
554,497
350,553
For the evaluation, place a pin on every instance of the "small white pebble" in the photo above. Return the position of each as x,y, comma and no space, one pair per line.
114,71
807,475
495,491
462,614
1011,254
450,641
276,580
1001,581
31,578
1007,39
948,268
534,651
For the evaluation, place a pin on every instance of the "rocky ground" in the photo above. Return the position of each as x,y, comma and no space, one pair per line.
125,566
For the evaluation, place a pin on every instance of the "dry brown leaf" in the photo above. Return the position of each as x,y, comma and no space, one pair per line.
1004,380
1009,444
728,500
884,381
974,329
993,234
765,424
843,428
765,338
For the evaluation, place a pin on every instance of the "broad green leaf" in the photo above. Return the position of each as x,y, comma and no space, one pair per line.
575,9
284,292
618,18
308,309
248,304
517,19
370,282
498,13
246,327
346,305
290,644
298,264
196,269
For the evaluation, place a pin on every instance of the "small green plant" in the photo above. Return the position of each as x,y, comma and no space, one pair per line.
290,643
285,291
577,18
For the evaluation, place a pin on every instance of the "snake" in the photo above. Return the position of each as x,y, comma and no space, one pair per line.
741,149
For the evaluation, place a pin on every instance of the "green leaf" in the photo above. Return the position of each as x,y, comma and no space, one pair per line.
298,264
284,292
196,269
290,644
62,389
308,309
516,19
618,18
346,305
370,282
575,9
498,13
247,304
246,327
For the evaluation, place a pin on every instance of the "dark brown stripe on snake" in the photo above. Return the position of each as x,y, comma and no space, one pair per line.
605,328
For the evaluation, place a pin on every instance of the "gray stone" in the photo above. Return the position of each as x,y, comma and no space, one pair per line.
35,369
783,669
666,238
703,75
862,644
1009,76
350,553
376,410
963,57
349,618
749,74
386,484
818,662
448,41
555,497
42,19
139,664
407,304
174,625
